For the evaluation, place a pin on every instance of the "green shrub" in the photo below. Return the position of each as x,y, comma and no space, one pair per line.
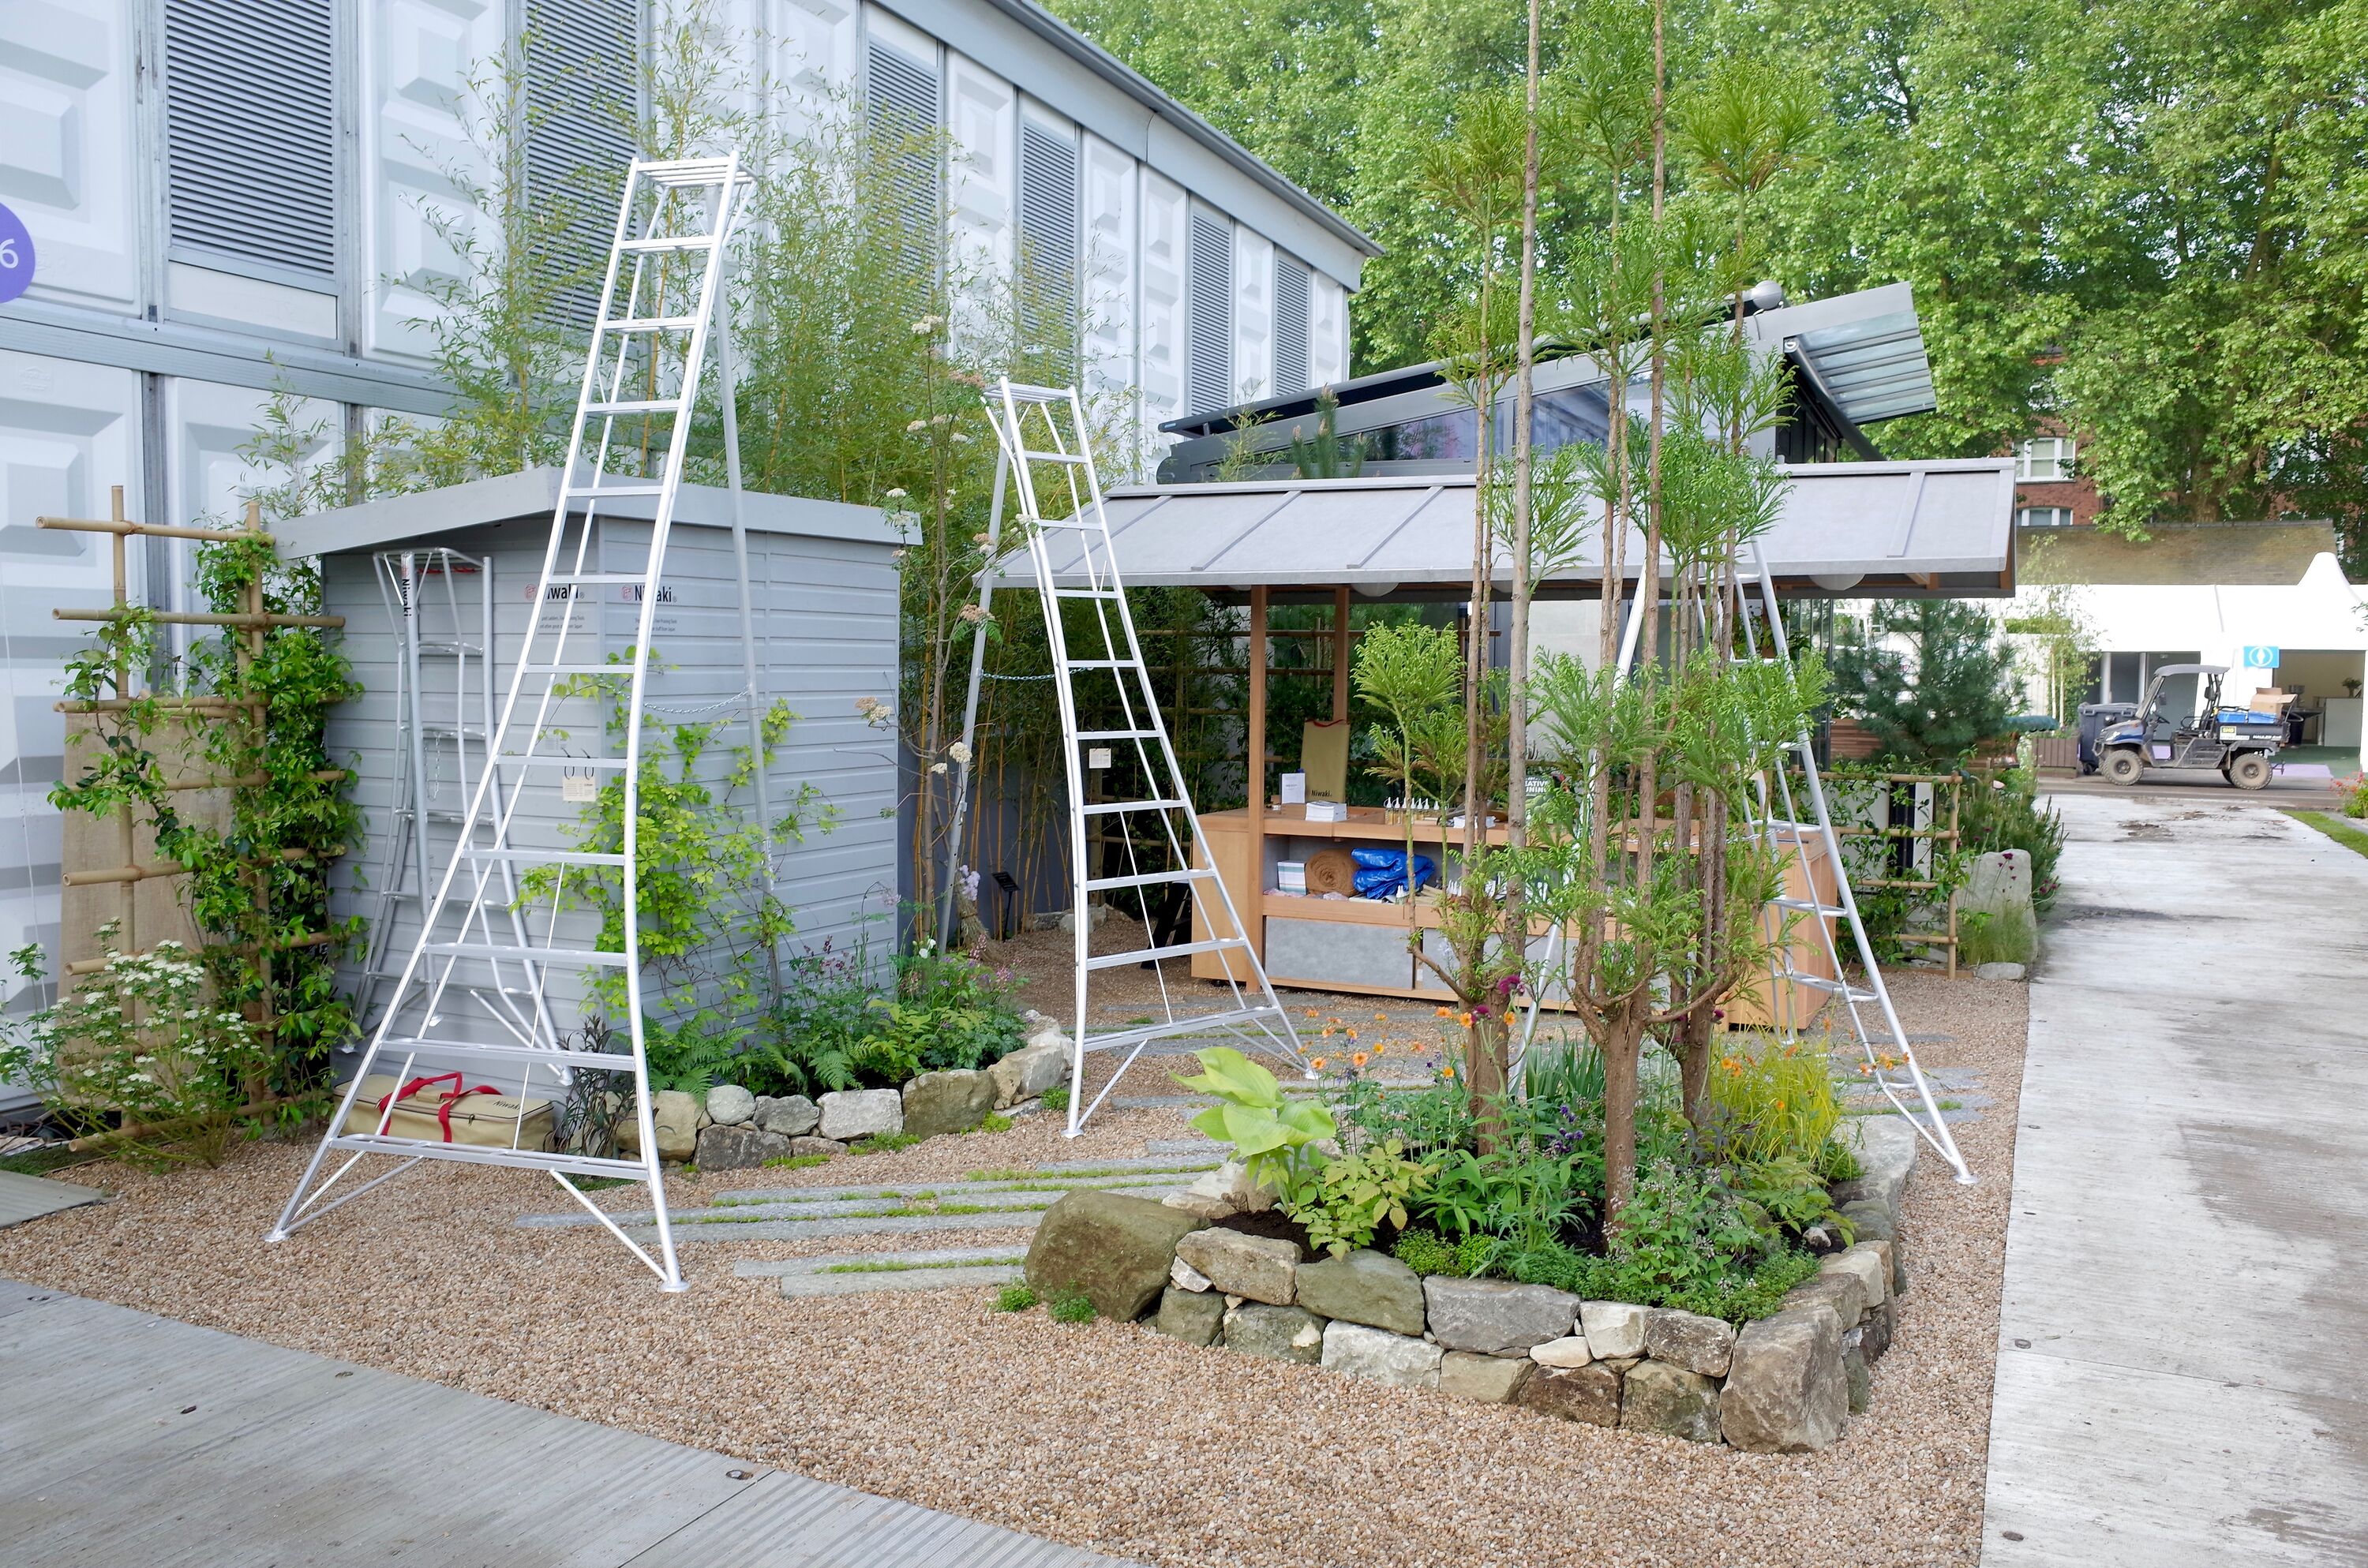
1014,1298
797,1163
1425,1252
884,1143
1075,1307
996,1122
2005,813
1346,1202
1057,1097
2355,795
1836,1163
2000,936
1272,1133
1772,1099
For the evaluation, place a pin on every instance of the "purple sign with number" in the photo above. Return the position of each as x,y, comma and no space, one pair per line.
16,256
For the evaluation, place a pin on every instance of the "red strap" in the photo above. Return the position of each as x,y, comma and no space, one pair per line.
445,1102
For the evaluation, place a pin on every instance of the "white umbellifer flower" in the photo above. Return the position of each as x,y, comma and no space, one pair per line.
917,425
937,768
959,752
960,440
896,494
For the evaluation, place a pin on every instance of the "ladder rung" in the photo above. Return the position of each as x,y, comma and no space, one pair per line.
502,1051
1087,593
565,958
470,647
1176,951
454,732
637,405
1103,664
1778,825
554,759
544,857
1107,808
1119,1040
1831,987
620,671
602,492
668,242
1148,878
471,1154
1808,906
1074,460
651,323
1118,734
1023,393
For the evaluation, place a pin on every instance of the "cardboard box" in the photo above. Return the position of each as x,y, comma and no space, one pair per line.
2270,699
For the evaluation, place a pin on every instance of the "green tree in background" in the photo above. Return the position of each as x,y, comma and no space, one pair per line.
1951,687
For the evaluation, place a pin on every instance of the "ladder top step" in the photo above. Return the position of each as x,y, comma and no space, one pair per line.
1174,950
1107,808
637,405
1808,906
1118,734
650,324
668,242
602,492
1022,392
1103,664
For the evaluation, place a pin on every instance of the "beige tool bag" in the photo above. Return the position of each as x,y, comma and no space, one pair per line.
443,1110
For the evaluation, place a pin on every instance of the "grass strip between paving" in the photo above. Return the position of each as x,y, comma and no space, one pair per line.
2343,832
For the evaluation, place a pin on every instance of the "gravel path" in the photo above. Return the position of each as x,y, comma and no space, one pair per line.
1105,1435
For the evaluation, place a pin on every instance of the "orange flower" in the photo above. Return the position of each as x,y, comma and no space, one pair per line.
1464,1018
1352,1034
1359,1059
1445,1012
1316,1063
1447,1072
1380,1017
1310,1013
1378,1049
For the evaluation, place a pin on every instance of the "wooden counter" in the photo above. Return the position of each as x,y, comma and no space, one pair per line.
1358,945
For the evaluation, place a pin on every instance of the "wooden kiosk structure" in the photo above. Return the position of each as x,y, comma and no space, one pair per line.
1859,529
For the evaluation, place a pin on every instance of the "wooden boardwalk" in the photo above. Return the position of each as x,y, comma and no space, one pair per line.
2180,1347
127,1439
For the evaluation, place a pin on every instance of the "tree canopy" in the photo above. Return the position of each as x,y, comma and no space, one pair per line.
2146,217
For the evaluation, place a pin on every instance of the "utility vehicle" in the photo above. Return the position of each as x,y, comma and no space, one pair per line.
2235,743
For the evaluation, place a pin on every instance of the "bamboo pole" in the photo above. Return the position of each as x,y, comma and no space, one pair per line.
121,526
1254,756
1340,651
193,618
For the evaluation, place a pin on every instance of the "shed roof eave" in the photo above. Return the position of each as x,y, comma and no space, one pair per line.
533,493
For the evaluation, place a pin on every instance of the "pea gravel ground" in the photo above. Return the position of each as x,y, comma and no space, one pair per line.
1105,1435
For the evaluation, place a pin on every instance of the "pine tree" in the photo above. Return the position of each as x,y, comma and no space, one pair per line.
1949,688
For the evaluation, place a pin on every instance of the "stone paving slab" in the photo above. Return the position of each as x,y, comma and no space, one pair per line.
24,1198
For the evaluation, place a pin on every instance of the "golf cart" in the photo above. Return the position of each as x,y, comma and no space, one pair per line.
2235,743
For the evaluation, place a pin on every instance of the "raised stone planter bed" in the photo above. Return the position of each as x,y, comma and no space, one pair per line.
1787,1383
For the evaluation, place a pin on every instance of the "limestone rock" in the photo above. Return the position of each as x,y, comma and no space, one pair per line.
1866,1264
1876,1330
1786,1393
1588,1393
1845,1294
1363,1352
952,1101
1657,1396
1491,1380
1194,1319
1222,1193
1998,971
729,1104
1365,1287
1182,1276
1688,1340
1258,1268
791,1116
1872,1221
849,1114
1613,1328
1032,1069
1885,1147
1280,1334
739,1148
1855,1376
826,1147
1114,1249
677,1116
1496,1317
2001,876
1571,1350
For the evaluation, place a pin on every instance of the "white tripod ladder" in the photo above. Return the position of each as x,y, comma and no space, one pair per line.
1891,1062
1054,419
647,353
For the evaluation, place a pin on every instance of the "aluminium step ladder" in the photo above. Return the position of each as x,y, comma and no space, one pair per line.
1777,822
1159,833
629,439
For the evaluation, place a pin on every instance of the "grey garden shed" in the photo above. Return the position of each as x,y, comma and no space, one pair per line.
425,581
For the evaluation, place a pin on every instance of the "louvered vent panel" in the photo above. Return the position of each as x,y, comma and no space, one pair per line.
1291,306
1212,266
251,132
904,119
580,59
1048,243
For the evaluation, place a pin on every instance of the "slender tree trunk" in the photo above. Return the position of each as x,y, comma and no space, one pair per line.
1517,742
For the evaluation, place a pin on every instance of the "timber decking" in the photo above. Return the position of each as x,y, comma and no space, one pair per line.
132,1438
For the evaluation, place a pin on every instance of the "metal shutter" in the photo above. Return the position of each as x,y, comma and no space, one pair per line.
1209,382
1290,306
1048,238
902,111
251,129
580,71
